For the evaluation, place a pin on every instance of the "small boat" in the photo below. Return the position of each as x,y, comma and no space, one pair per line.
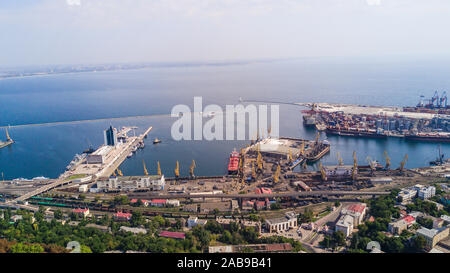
156,140
130,155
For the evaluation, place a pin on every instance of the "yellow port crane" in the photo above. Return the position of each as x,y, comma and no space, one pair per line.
371,164
159,169
290,156
340,160
317,137
114,173
276,176
177,170
259,159
388,160
119,172
191,168
403,163
145,168
322,172
253,170
302,148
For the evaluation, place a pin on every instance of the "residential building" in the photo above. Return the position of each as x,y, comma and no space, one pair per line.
446,219
122,216
345,224
190,208
357,211
81,212
426,192
172,203
192,221
16,218
257,248
226,222
248,205
433,236
99,227
133,230
406,195
397,227
282,223
143,201
158,203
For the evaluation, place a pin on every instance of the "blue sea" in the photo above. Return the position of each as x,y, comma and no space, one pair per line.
46,150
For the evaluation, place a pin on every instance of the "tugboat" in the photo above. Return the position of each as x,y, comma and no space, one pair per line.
156,140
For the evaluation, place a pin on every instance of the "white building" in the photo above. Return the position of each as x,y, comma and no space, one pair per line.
407,195
282,223
131,183
426,192
338,172
133,230
192,221
345,224
357,211
172,203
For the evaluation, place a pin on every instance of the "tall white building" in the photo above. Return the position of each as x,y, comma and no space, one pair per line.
426,192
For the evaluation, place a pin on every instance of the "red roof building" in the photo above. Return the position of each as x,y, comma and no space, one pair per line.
81,212
174,235
122,216
158,202
409,219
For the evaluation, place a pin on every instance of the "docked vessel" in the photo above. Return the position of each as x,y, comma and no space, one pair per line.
432,137
233,163
309,120
355,132
156,140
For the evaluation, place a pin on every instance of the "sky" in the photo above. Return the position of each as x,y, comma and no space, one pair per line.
36,32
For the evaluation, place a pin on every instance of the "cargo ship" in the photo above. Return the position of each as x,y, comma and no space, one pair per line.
355,132
431,137
233,163
309,120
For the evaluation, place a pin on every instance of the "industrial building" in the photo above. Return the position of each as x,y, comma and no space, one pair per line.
282,223
338,172
131,183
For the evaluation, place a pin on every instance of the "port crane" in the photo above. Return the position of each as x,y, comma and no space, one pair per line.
191,168
403,163
371,165
177,170
388,160
276,176
119,172
158,169
145,168
322,172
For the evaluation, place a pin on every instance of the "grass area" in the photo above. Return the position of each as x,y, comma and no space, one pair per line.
75,176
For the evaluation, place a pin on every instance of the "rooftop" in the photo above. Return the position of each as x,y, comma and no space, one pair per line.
170,234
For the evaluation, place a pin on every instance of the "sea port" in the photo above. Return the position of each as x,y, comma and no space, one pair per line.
429,122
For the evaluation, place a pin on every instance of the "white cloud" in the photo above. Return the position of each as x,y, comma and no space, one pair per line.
373,2
73,2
